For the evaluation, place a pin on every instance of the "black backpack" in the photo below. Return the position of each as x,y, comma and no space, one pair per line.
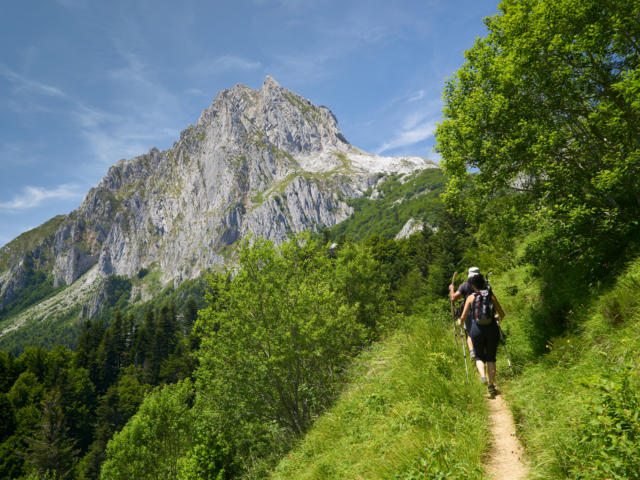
482,310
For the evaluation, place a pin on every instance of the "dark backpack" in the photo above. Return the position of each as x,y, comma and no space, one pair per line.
482,310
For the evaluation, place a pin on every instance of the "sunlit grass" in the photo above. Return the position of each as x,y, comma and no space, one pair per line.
407,413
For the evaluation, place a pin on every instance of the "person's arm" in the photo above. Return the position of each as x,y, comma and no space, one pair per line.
465,310
497,305
454,296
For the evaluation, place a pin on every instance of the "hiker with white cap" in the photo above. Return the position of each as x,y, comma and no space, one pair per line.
463,291
483,310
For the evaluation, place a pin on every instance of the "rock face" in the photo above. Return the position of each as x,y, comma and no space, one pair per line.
412,226
262,162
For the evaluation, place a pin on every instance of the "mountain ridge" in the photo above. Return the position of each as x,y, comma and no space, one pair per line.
264,162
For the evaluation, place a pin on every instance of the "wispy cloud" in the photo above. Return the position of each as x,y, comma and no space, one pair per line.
109,136
22,83
419,95
405,138
145,114
196,92
31,197
15,154
226,63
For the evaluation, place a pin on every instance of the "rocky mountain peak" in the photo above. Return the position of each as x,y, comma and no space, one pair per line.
288,121
262,162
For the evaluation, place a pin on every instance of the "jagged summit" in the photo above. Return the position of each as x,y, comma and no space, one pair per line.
288,121
264,162
270,82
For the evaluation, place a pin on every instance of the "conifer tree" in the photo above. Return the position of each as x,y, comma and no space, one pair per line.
50,449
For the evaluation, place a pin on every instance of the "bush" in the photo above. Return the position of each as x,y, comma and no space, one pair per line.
608,447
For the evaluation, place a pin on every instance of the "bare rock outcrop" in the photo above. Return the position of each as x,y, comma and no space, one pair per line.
263,162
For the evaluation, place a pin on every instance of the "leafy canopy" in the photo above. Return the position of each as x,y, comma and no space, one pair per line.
545,112
276,336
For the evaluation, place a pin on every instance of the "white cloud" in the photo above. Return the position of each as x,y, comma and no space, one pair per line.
405,138
419,95
34,196
415,118
226,63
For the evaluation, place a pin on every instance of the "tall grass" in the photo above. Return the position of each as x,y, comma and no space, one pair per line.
577,401
407,413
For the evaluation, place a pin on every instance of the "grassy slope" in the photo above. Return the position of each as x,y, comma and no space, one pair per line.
575,397
26,242
407,413
576,404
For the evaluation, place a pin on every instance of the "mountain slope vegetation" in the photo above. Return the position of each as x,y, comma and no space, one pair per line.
309,361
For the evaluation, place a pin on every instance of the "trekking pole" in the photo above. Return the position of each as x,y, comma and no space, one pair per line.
455,331
503,340
453,312
464,351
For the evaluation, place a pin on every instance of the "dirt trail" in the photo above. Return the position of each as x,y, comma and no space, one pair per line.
506,461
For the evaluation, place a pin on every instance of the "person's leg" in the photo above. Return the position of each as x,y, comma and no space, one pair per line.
468,326
492,339
481,369
478,345
491,370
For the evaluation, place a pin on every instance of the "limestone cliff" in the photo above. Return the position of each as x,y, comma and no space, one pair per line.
264,162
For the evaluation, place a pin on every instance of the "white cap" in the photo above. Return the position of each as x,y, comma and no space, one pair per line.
473,271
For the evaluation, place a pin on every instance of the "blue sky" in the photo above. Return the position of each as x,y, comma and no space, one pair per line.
84,83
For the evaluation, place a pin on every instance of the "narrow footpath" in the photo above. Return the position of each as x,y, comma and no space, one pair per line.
506,460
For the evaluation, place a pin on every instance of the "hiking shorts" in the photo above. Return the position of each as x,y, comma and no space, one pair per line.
468,323
485,340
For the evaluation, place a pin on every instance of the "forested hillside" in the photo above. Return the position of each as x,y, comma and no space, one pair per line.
333,355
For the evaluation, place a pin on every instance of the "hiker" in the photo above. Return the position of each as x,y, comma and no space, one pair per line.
464,290
483,309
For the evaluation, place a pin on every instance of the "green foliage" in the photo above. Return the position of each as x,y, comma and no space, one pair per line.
37,287
277,336
439,463
63,406
64,329
544,112
50,449
417,197
407,413
11,253
115,407
156,437
612,435
576,398
117,291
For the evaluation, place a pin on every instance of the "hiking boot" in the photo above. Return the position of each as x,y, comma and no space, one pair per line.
484,380
493,391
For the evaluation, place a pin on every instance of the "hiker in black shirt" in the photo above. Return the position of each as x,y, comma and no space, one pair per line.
464,290
485,337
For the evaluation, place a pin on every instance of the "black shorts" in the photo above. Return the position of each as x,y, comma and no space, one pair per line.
485,340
